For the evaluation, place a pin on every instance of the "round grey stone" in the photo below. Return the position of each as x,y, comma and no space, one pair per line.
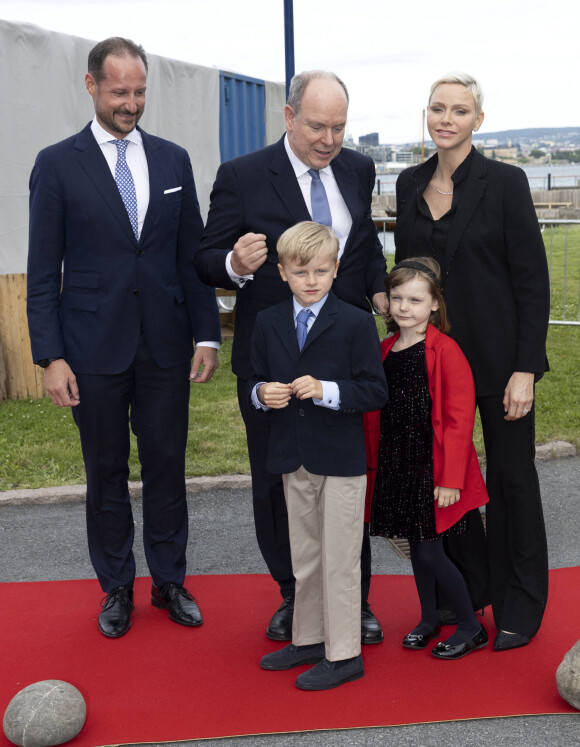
44,714
568,676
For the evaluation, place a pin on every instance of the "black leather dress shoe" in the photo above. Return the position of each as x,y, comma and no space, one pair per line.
181,604
418,641
115,617
280,627
370,627
444,651
506,641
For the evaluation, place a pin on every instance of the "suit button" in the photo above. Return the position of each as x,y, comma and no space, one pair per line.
140,252
301,412
136,292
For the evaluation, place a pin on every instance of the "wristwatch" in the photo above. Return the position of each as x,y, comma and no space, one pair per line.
44,362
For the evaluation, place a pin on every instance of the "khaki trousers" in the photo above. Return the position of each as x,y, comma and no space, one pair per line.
326,518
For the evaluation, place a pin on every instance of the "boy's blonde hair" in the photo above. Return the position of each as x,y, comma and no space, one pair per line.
304,241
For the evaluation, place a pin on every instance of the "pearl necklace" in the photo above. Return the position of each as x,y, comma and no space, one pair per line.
446,194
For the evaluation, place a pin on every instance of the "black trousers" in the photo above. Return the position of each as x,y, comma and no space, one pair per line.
154,402
517,554
270,515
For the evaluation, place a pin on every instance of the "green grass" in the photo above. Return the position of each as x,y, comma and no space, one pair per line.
563,253
39,444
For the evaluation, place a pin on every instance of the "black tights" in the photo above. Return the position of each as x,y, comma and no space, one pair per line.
432,567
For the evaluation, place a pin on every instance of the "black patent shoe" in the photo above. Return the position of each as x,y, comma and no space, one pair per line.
506,641
115,616
370,627
445,651
280,627
420,641
183,608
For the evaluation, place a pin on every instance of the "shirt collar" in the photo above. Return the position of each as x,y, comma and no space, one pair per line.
102,136
299,167
315,308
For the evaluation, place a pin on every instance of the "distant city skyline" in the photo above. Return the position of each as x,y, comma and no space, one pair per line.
523,53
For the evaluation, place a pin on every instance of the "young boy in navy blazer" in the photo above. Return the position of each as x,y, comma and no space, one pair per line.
316,367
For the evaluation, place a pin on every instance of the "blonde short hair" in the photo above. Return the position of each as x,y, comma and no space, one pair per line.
461,79
305,240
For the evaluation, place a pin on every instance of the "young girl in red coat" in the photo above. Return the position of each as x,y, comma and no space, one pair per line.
423,466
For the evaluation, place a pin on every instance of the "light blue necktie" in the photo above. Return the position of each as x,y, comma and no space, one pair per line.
302,326
126,185
319,200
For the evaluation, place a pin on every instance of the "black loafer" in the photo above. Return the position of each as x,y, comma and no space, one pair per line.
444,651
181,604
280,627
418,641
370,627
329,674
506,641
293,656
115,617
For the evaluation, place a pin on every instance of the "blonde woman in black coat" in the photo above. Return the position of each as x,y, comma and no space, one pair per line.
476,217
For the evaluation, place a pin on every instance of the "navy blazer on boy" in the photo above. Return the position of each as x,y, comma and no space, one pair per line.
342,346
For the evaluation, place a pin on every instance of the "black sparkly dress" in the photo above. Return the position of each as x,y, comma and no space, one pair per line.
403,502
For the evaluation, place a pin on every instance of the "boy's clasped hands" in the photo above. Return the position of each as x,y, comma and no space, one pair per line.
277,395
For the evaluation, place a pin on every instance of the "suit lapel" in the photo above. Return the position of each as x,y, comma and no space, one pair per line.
347,182
155,169
323,321
95,165
286,330
285,184
475,186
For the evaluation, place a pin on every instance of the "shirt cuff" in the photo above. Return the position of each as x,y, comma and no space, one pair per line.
210,344
239,280
255,401
330,396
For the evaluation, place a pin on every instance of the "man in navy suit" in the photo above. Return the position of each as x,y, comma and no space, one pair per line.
114,304
254,200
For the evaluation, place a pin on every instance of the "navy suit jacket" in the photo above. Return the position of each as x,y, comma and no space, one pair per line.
343,346
259,193
112,283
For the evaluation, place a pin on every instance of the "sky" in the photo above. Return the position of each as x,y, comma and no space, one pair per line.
524,53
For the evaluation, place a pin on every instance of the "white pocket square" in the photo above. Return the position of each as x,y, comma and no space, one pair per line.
173,189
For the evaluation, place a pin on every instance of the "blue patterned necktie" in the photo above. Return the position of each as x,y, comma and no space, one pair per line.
302,326
126,185
319,200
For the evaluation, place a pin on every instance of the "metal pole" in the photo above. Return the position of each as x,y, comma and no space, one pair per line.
289,42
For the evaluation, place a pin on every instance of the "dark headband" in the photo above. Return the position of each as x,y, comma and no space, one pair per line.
411,264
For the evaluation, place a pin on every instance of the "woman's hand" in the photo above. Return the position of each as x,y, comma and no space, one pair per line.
518,397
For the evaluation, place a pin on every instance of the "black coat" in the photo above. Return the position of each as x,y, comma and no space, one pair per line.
259,193
497,285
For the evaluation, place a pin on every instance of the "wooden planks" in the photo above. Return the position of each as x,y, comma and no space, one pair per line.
22,378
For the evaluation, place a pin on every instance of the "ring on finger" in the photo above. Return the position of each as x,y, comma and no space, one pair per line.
525,411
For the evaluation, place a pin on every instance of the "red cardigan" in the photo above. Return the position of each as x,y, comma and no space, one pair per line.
455,463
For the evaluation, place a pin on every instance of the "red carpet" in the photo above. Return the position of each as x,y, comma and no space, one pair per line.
164,682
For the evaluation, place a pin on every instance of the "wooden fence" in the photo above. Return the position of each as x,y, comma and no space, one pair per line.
21,377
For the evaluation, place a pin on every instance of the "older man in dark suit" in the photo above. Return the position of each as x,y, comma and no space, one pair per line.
115,210
254,200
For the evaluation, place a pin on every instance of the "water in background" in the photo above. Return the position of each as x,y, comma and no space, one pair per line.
561,177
